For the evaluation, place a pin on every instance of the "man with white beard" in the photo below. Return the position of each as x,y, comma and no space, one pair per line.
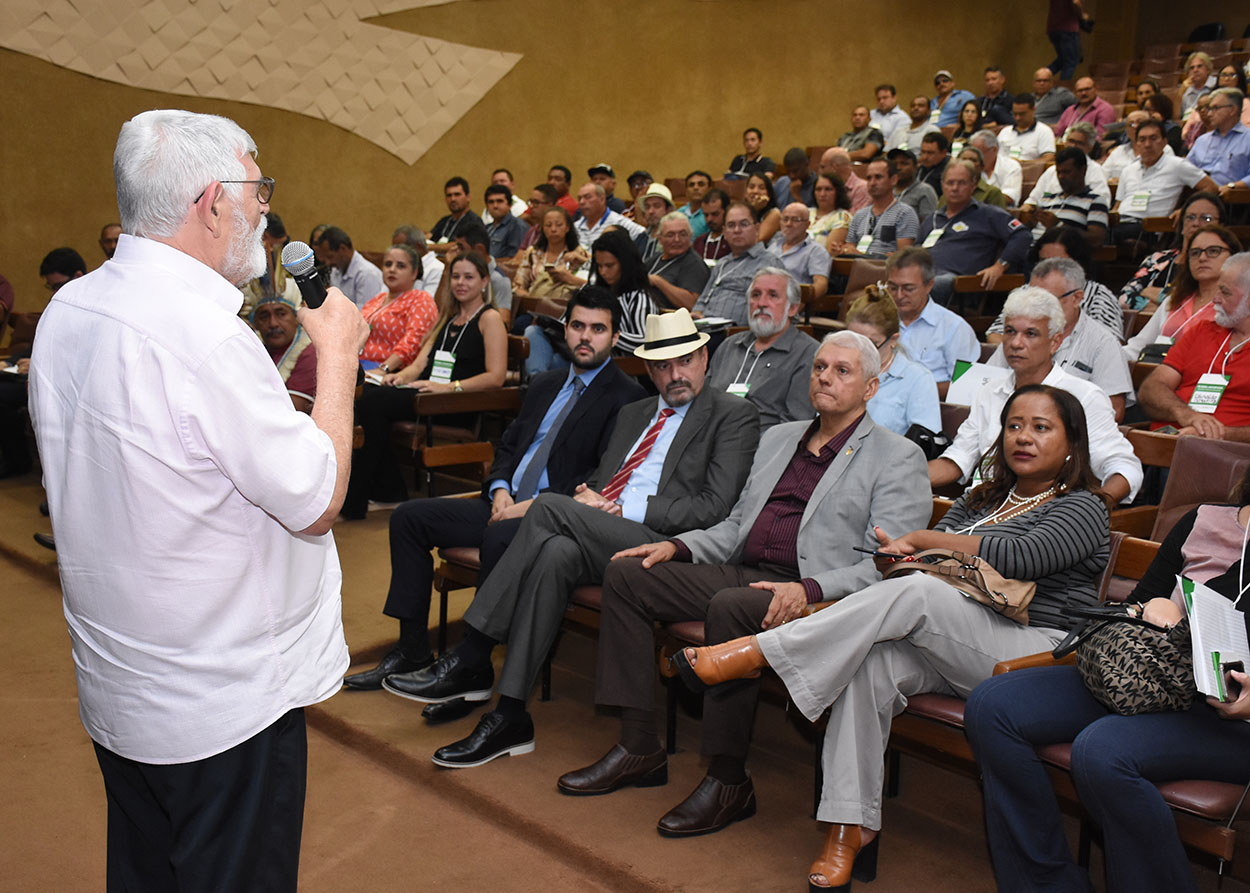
192,507
771,364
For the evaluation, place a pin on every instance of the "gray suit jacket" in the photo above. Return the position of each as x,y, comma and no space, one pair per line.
879,478
705,466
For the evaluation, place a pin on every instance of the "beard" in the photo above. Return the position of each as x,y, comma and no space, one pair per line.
763,325
245,256
1228,319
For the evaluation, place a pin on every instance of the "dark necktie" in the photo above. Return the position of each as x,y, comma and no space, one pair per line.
528,487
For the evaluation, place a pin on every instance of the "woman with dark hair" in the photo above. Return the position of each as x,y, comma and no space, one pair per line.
1116,760
970,121
763,205
1038,517
1157,271
1146,87
1098,302
1232,75
1191,294
548,268
1160,108
831,218
400,317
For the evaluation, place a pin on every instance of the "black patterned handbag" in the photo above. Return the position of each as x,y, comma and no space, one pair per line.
1130,665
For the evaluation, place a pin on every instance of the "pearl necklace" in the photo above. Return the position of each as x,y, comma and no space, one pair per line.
1012,506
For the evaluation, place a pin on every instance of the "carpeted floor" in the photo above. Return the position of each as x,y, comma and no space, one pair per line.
381,816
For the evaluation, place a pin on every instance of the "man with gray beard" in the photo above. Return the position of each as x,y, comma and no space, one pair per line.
770,365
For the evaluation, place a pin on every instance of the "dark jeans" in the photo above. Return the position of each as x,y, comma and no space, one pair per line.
1115,762
1068,47
228,822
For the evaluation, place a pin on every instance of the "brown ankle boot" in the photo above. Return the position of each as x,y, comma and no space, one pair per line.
737,659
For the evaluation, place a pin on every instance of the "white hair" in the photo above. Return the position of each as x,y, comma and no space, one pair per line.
675,217
1031,302
1069,269
793,295
165,158
869,357
1241,264
986,138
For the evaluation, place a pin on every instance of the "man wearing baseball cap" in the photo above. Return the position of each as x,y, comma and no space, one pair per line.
949,100
603,174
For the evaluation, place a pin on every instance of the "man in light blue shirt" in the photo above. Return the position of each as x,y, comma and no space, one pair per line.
1224,151
949,100
934,336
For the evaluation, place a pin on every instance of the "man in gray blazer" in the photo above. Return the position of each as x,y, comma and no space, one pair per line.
675,462
815,492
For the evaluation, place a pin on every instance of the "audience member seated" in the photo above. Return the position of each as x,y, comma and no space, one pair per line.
560,178
969,238
1001,170
1117,760
456,195
656,202
1199,81
698,187
724,295
596,216
752,158
995,103
400,317
506,232
1029,139
933,158
863,141
887,116
778,386
350,273
108,239
689,450
431,267
1191,296
676,274
1081,136
907,394
884,226
615,265
1033,332
932,335
542,197
466,350
548,268
711,245
1125,153
1099,303
831,217
970,122
1151,185
1049,100
1039,517
473,237
501,176
1224,152
909,137
798,181
604,176
638,182
837,162
1203,401
817,489
948,101
759,196
805,259
985,192
1061,196
1089,107
552,445
1232,75
1198,124
1160,269
1088,350
289,347
920,197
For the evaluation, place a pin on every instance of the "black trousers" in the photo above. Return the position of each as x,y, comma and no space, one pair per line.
228,822
420,525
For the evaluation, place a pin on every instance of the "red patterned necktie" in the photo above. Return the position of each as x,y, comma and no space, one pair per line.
616,486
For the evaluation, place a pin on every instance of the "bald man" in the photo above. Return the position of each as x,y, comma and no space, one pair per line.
837,161
1089,107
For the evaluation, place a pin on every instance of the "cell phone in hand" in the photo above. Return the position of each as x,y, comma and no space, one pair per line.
1232,688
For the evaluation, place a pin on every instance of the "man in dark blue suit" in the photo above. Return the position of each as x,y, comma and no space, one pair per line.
552,446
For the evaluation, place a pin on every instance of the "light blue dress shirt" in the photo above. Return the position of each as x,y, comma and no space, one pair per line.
907,396
937,338
645,481
1225,157
950,111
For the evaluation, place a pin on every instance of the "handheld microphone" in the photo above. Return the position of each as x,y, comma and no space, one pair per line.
298,260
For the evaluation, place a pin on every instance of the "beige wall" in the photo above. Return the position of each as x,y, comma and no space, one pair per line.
1165,21
665,85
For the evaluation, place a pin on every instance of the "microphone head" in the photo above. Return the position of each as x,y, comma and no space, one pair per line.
297,258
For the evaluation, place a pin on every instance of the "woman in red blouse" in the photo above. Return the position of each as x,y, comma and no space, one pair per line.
400,317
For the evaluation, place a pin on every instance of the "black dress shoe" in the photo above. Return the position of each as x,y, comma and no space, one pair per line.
616,769
447,678
43,508
449,711
46,540
393,662
712,806
495,736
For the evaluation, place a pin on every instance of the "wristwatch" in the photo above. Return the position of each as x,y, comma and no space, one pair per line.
455,386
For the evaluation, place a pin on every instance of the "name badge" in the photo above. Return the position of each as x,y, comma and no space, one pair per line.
442,241
934,115
1164,339
864,243
444,361
931,239
1207,392
957,146
1139,201
1016,152
739,389
709,261
903,145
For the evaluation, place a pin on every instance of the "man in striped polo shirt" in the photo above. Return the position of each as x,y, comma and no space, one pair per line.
1061,196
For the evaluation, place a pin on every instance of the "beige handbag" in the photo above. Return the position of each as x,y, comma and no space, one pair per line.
975,578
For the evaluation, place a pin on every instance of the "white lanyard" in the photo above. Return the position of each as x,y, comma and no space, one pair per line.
447,331
1241,570
654,272
708,241
746,380
1230,352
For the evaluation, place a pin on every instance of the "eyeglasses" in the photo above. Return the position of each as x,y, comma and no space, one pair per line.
264,189
895,289
1210,251
1201,218
1071,292
740,224
1215,108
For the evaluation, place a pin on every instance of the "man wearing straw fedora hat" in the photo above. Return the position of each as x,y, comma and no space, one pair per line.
676,462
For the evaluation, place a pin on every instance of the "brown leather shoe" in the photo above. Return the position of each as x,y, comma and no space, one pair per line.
616,769
844,856
712,806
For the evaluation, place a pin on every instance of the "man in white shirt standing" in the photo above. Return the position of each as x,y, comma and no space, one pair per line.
193,507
